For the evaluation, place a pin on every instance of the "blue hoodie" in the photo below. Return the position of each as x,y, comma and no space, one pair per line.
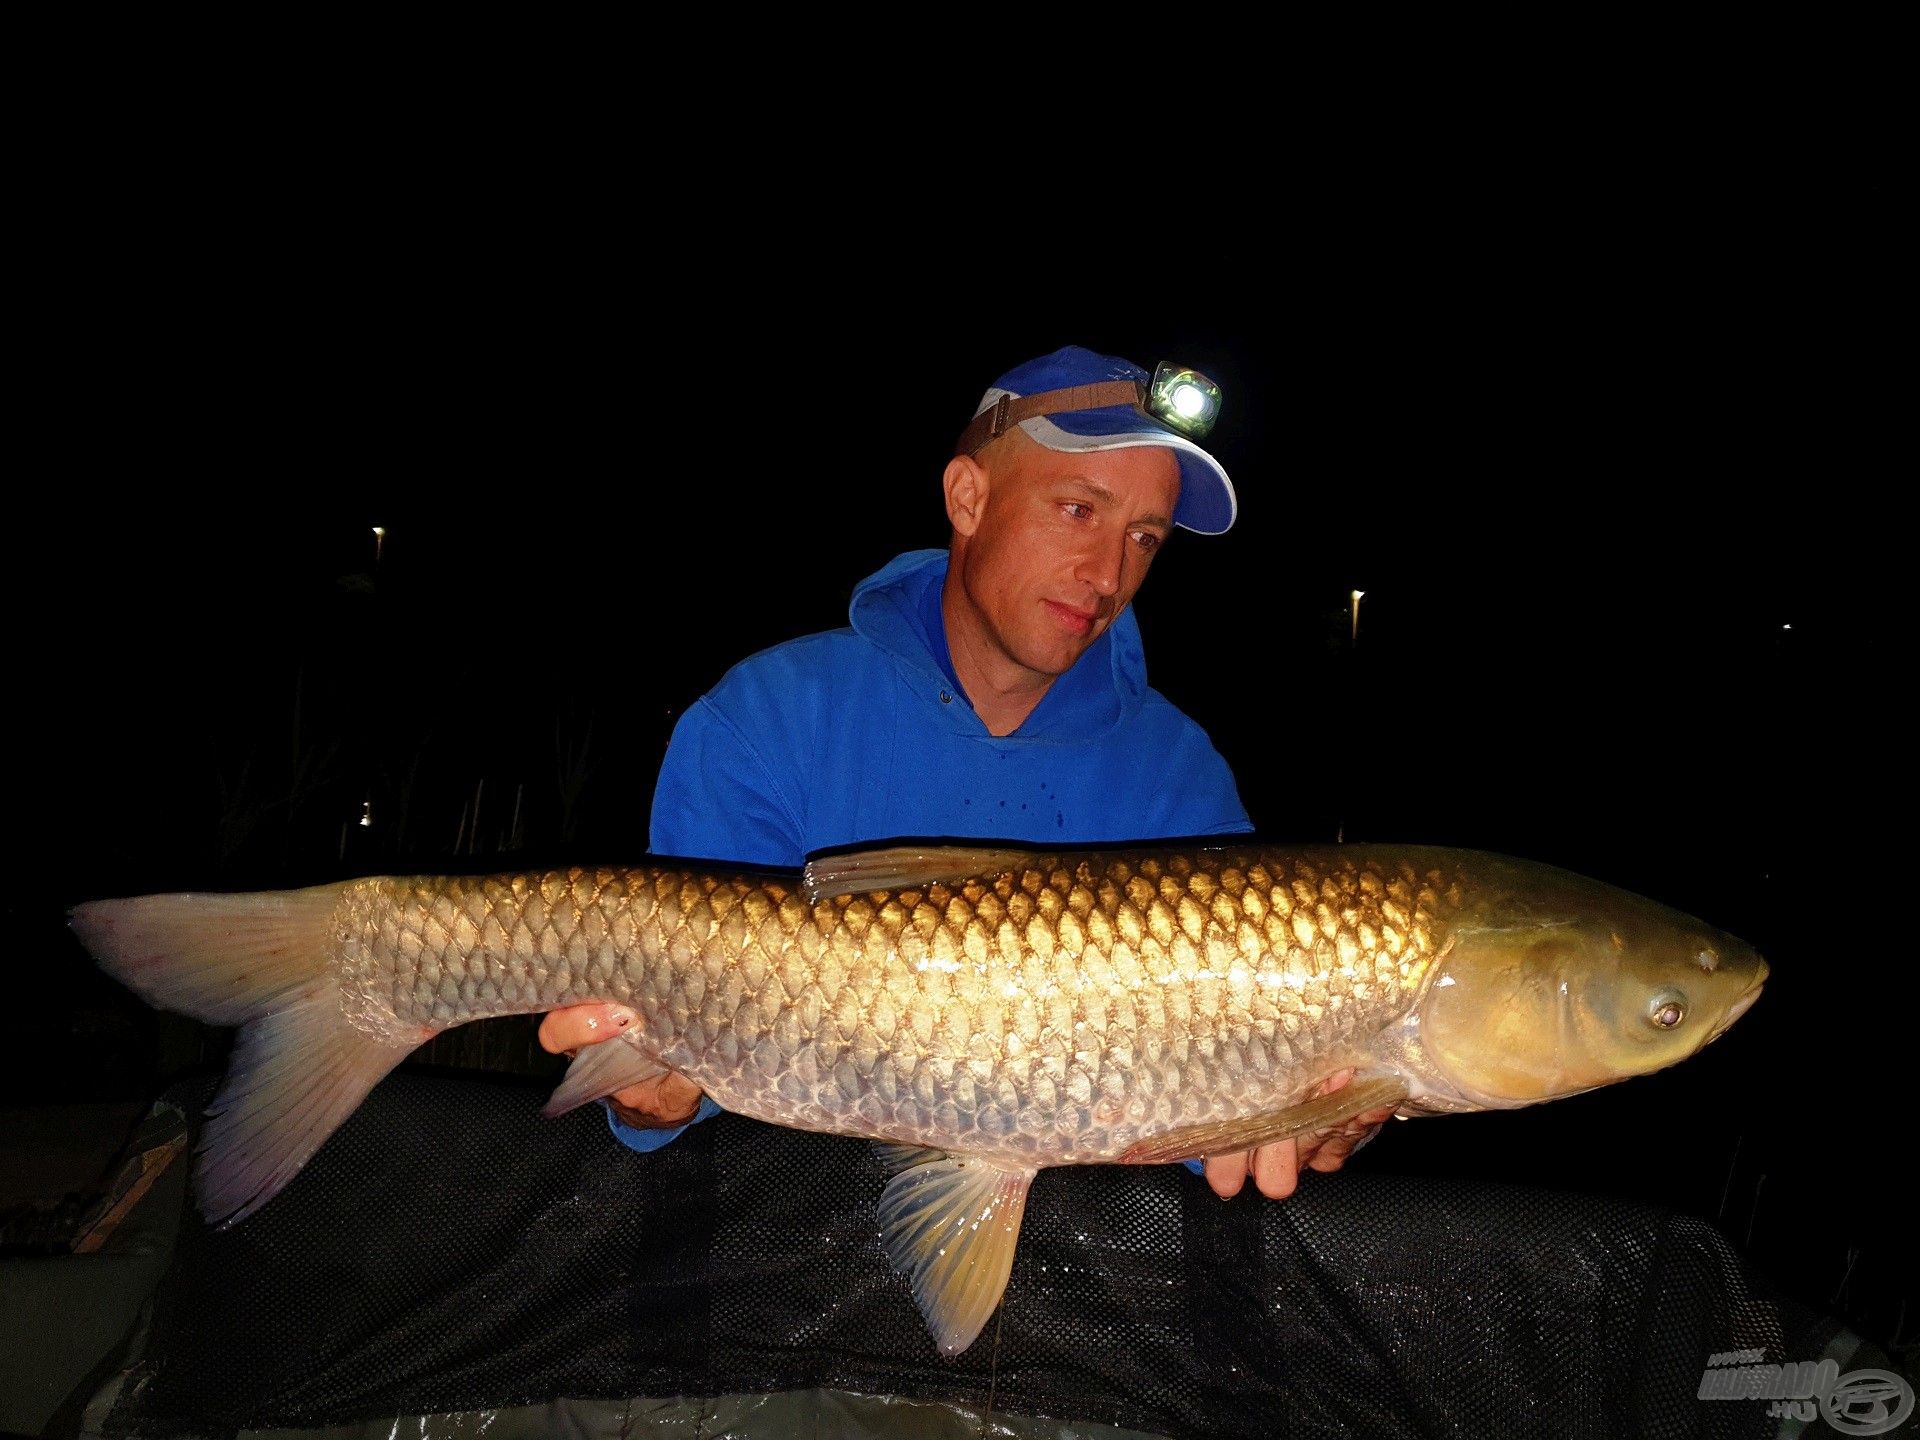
864,735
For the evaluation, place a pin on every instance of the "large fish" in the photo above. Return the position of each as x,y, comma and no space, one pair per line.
984,1012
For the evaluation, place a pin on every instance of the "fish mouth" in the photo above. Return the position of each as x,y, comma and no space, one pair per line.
1738,1008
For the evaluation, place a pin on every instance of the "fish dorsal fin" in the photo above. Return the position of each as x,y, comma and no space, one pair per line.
1221,1137
904,867
949,1225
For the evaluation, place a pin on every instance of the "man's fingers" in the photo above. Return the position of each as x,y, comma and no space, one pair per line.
667,1099
1276,1168
1227,1173
1332,1083
1335,1149
564,1031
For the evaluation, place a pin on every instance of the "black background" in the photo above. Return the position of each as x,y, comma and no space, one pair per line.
1612,458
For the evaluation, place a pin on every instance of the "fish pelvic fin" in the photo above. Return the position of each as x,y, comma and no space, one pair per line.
894,1157
950,1226
1221,1137
262,962
600,1070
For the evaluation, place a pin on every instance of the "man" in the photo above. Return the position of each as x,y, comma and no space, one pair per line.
992,690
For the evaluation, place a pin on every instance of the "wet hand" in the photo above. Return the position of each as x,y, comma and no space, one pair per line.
1276,1167
655,1104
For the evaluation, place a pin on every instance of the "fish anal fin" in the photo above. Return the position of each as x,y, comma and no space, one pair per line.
950,1226
601,1070
904,867
1362,1093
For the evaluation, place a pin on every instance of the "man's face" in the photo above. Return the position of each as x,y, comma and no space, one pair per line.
1062,543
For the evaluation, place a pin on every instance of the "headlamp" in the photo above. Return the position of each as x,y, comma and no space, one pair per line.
1178,397
1184,399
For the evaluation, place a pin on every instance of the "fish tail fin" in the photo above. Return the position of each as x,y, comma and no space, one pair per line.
224,959
261,962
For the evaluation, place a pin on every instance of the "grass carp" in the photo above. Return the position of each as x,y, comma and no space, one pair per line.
981,1012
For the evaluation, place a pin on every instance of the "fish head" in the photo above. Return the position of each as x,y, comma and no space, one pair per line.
1578,988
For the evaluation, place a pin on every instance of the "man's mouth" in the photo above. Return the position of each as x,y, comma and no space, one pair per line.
1077,622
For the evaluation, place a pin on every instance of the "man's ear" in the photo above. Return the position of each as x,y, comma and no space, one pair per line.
965,482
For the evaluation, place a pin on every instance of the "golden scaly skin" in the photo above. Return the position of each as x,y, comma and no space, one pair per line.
1140,1005
1052,1014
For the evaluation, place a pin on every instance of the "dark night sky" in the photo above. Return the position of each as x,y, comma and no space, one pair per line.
1587,470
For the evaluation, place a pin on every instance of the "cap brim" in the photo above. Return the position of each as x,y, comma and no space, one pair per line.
1207,504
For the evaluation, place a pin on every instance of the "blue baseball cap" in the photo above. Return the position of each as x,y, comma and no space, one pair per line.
1207,504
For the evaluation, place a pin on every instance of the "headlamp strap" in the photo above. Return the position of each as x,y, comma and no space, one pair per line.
1008,410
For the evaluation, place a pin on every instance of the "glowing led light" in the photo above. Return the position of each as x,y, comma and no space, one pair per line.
1184,399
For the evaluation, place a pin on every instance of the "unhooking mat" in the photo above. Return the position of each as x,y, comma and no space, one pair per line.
450,1250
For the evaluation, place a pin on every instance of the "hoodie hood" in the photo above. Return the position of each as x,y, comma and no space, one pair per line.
897,608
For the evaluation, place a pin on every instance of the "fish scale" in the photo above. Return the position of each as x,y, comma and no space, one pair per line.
893,1014
989,1012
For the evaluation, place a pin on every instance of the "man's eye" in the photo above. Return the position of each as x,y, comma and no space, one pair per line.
1078,509
1146,540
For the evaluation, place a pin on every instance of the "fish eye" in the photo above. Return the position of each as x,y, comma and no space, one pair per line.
1668,1010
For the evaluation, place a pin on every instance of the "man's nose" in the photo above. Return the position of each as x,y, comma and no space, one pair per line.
1102,565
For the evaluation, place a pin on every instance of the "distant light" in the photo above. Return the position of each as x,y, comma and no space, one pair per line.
366,813
380,532
1356,596
1786,627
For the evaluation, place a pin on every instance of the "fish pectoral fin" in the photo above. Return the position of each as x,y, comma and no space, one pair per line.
904,867
600,1070
950,1225
1362,1093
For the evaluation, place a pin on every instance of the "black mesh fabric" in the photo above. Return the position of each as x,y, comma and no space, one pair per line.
450,1249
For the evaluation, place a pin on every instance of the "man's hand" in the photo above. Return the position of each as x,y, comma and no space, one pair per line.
1276,1167
656,1104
